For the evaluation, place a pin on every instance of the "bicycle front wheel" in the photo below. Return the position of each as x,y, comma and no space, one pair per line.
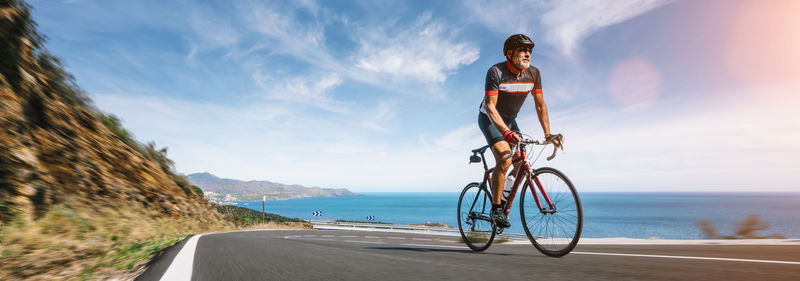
474,217
553,230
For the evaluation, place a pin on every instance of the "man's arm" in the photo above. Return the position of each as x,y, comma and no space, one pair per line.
494,115
541,111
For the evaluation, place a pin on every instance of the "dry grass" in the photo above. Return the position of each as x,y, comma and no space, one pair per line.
86,244
80,243
748,229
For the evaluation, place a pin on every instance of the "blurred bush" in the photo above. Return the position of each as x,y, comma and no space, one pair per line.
114,124
748,229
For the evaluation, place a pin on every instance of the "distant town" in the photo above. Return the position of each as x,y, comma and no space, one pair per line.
220,198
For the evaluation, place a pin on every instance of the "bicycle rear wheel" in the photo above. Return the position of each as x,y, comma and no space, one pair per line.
553,231
474,217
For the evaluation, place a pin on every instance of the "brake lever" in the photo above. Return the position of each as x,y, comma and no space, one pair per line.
513,150
555,148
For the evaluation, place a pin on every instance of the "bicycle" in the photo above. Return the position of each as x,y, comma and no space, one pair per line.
553,224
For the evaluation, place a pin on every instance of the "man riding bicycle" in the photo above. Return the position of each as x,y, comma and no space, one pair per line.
507,86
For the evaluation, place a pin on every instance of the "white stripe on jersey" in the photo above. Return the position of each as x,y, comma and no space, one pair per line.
516,87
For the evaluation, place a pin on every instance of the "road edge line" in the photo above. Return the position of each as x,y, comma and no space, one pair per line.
182,264
686,257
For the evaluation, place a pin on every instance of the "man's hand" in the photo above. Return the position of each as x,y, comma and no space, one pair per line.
511,137
556,139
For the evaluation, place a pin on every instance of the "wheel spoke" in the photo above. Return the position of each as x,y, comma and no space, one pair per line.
475,225
555,233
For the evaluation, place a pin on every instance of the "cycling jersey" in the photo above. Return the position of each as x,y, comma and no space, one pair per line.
511,89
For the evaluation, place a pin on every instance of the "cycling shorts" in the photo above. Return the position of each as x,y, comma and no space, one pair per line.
490,131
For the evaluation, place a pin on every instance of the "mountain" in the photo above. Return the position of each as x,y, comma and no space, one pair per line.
254,190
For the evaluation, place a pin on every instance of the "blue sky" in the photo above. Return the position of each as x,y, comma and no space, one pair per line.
383,95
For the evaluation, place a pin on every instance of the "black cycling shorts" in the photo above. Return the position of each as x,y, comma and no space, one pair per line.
490,131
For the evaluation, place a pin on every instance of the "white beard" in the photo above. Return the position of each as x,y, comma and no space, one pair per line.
520,64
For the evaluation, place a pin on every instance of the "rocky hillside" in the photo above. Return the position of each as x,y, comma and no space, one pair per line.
254,190
74,185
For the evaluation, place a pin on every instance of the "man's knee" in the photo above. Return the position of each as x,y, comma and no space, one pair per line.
503,164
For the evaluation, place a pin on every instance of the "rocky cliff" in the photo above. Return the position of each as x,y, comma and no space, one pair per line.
63,163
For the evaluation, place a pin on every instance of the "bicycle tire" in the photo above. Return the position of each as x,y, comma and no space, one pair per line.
476,200
553,233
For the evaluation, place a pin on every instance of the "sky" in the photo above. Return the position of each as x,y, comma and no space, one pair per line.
376,96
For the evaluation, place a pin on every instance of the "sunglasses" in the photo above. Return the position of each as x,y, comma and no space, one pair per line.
525,49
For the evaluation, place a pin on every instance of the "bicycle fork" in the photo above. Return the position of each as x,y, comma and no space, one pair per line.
552,209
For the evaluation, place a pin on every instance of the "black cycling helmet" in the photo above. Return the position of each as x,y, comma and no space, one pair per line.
516,41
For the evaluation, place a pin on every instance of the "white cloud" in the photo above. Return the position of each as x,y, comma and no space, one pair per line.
566,23
507,17
460,138
287,34
569,22
426,51
212,30
377,118
738,143
743,142
313,89
281,143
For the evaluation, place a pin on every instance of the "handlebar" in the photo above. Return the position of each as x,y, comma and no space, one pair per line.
538,142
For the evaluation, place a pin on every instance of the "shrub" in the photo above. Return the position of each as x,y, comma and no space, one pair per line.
708,229
198,190
750,225
114,124
747,229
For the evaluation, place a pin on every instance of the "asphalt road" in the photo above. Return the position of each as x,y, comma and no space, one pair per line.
360,255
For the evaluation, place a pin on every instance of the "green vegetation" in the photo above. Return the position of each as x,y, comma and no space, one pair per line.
114,124
198,190
244,217
126,257
106,242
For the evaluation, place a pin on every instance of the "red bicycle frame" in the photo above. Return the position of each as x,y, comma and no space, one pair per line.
523,173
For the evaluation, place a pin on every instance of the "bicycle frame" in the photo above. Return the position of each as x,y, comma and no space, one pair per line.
523,173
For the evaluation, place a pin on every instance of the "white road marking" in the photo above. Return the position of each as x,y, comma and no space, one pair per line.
393,237
687,257
181,266
193,242
368,242
440,246
323,239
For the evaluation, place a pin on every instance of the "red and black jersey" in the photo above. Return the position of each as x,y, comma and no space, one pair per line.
511,88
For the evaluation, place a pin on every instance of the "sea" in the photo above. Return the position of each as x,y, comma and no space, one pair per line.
648,215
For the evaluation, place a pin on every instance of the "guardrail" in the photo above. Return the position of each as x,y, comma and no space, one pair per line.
403,227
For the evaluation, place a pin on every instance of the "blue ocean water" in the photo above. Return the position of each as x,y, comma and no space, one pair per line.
632,215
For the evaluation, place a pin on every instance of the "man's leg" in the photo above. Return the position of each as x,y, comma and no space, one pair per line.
500,150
